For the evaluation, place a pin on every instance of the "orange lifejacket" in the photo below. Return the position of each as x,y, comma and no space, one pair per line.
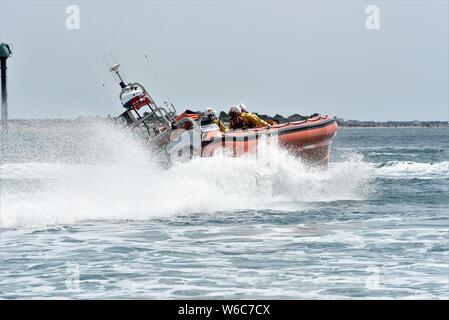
188,114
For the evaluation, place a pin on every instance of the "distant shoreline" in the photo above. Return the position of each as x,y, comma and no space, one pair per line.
341,122
392,124
394,127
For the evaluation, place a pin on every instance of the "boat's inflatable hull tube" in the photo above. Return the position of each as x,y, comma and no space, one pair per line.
310,139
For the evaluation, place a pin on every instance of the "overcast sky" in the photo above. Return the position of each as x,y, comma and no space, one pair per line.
276,57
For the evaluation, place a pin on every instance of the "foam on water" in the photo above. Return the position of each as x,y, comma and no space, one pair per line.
414,169
125,182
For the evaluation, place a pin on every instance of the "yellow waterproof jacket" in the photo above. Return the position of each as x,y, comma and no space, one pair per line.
253,120
220,125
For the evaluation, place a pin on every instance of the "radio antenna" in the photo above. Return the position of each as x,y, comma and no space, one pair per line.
108,65
114,60
159,80
109,96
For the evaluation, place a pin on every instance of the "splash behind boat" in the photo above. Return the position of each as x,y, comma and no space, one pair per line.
187,135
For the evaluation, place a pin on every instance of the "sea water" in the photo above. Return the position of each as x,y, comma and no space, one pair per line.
87,212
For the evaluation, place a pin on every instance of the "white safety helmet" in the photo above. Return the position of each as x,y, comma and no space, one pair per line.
211,113
243,107
235,109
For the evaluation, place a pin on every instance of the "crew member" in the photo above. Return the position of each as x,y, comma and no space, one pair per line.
269,122
212,116
244,120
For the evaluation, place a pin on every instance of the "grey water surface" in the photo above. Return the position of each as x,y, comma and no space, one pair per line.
85,213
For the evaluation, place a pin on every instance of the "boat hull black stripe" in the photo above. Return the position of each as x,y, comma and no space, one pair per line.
291,130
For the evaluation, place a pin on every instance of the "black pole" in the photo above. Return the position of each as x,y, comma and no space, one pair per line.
4,93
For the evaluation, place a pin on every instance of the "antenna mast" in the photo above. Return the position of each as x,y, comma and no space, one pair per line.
160,82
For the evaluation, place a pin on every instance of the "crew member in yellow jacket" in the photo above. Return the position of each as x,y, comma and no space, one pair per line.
212,115
244,120
270,122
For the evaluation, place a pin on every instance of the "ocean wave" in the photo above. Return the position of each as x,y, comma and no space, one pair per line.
410,169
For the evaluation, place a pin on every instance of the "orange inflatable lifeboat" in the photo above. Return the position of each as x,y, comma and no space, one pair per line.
310,139
187,135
